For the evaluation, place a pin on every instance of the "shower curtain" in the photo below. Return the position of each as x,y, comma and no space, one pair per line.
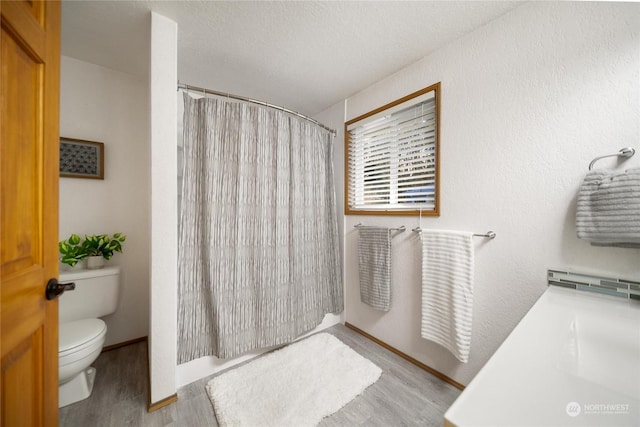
258,257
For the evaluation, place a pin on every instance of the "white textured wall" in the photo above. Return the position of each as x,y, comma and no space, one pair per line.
164,205
527,102
99,104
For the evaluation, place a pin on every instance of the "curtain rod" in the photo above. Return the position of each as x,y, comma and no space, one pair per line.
253,101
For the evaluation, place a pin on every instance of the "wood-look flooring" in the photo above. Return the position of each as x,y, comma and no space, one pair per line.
405,395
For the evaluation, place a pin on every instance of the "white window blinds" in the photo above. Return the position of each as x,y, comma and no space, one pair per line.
392,158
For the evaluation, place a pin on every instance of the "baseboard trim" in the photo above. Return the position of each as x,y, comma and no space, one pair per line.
408,358
162,403
123,344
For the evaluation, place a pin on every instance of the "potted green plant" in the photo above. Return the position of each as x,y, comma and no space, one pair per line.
71,250
100,247
95,249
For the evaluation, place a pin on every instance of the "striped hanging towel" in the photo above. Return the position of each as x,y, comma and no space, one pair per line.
608,212
374,256
447,290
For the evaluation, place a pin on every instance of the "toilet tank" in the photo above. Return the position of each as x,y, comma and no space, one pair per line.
96,293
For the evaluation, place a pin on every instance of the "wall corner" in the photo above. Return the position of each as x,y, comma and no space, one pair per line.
163,77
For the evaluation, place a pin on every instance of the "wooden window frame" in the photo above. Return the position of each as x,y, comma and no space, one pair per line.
395,211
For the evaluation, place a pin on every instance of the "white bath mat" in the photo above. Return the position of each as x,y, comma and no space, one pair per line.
297,385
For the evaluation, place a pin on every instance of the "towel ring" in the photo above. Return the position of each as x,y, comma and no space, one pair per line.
625,152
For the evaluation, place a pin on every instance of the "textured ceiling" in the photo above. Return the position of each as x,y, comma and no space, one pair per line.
305,56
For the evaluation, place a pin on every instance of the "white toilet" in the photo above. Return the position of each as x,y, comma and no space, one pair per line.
81,333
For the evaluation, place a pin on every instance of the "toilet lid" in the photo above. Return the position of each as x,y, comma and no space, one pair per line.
79,333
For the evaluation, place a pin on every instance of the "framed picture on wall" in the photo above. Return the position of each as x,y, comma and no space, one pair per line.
81,159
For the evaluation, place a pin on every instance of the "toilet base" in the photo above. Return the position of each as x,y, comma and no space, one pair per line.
78,388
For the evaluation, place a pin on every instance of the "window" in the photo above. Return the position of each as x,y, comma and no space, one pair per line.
392,157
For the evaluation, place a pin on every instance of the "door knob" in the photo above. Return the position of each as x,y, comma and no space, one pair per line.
54,288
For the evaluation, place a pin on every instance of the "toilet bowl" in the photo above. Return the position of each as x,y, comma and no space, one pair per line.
81,333
80,345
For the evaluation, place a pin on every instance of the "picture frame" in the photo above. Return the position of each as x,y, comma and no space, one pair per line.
81,159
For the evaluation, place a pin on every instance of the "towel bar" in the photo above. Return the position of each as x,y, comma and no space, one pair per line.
624,152
488,234
400,229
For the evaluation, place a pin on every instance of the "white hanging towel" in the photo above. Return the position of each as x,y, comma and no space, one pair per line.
447,290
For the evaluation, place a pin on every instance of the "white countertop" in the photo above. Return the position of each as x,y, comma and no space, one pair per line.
574,359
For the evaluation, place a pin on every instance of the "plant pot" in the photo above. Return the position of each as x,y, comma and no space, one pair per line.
95,262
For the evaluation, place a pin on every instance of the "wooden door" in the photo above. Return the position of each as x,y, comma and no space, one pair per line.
29,92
